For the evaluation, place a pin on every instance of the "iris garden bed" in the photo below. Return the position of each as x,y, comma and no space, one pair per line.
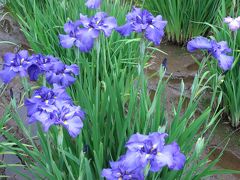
100,109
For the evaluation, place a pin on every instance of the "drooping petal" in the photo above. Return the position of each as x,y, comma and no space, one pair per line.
7,75
66,41
72,69
66,80
154,34
225,61
175,159
84,42
74,126
125,30
199,43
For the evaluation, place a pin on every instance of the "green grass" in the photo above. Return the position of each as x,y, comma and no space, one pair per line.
231,82
185,18
115,98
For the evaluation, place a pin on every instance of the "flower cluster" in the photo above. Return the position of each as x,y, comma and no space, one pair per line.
233,23
48,106
55,107
14,64
93,4
82,32
145,151
218,50
142,21
37,64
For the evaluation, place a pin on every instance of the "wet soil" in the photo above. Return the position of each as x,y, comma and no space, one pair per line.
11,40
182,67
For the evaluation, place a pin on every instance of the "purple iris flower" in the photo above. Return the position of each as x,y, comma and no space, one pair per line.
66,115
143,21
76,36
14,64
62,74
44,99
39,65
100,22
93,4
123,169
233,23
218,50
151,150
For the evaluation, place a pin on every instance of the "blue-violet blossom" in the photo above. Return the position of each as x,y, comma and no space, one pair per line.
142,21
145,151
40,64
44,99
152,150
62,74
75,37
93,4
218,50
123,169
14,64
54,107
83,32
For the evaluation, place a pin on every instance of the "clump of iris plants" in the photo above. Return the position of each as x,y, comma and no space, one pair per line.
48,106
145,153
218,50
233,23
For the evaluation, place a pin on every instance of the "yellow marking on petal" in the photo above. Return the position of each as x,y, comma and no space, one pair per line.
38,96
151,26
22,60
120,178
159,154
65,122
46,101
147,156
98,21
68,115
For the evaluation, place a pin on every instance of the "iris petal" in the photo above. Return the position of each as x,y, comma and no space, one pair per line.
199,43
66,41
154,34
225,61
125,30
7,75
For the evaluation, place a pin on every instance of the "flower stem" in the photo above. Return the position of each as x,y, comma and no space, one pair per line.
60,136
